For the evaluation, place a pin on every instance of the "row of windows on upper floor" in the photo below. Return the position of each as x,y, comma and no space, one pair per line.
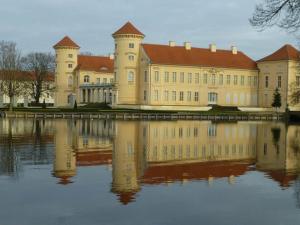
279,81
181,132
196,151
86,80
212,97
205,78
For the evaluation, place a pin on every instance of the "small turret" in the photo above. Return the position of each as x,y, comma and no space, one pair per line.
66,61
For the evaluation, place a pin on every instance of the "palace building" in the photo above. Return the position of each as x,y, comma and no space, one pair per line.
171,77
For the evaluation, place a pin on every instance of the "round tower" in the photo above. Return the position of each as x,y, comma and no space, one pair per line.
66,52
128,40
125,173
64,166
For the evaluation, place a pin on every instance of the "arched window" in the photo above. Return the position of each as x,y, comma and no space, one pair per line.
130,76
70,81
86,79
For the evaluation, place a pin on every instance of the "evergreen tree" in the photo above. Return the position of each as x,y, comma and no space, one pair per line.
44,104
276,99
75,105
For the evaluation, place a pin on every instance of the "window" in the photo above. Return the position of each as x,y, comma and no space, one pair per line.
298,81
196,97
166,95
181,97
70,55
166,77
173,95
131,45
242,80
98,80
86,79
156,76
213,79
249,80
70,66
116,46
235,80
255,81
212,130
190,77
197,78
181,77
221,79
228,79
279,82
130,76
212,98
104,80
156,95
267,81
111,80
70,81
131,57
145,76
205,78
174,77
189,96
145,95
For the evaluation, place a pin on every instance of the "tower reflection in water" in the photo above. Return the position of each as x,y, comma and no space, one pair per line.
143,152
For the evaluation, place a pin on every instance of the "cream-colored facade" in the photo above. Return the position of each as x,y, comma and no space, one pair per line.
170,77
84,78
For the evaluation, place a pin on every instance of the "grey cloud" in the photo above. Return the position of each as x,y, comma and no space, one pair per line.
37,24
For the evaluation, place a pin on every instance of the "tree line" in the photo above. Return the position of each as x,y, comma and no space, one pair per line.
24,75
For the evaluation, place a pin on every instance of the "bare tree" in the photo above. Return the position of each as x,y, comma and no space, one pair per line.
12,82
282,13
41,65
294,93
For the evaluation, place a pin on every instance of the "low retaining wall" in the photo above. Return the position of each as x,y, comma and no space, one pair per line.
152,116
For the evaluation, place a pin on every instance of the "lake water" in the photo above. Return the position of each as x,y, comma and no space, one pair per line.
84,172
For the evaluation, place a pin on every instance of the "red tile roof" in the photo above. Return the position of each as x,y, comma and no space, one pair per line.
23,75
95,63
178,55
128,28
66,42
287,52
194,171
93,158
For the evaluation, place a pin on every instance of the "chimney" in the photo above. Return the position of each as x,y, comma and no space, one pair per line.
187,45
111,56
234,50
172,43
213,47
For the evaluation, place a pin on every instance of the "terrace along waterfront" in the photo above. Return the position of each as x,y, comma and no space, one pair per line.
83,171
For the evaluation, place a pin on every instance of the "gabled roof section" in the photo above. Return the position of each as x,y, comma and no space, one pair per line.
128,28
66,42
95,63
286,52
178,55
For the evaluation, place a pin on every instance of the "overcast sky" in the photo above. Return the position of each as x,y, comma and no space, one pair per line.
36,25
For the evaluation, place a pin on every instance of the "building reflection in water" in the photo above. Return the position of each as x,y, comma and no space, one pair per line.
159,152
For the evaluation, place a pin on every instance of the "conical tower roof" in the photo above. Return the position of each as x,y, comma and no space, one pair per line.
66,42
128,28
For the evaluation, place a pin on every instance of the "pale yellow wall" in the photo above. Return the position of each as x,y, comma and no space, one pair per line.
181,142
62,74
242,93
288,71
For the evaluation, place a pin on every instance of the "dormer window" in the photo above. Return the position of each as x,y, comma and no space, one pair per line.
131,45
103,68
86,79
